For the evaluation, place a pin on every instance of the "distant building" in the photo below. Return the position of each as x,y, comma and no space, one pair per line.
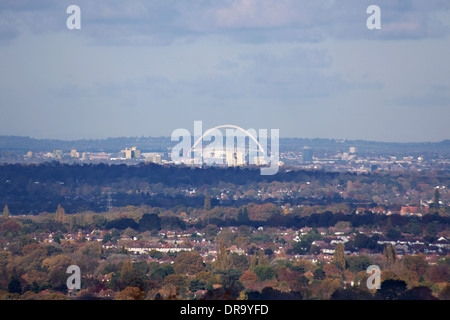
260,161
74,154
57,154
352,150
131,153
413,211
153,157
128,153
135,153
99,156
235,159
307,154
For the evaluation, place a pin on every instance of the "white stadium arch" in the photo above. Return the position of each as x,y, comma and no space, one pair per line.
230,126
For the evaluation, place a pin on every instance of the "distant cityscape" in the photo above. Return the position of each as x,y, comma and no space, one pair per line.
350,160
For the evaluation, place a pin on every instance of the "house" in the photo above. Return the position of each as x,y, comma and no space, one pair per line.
235,249
441,243
413,211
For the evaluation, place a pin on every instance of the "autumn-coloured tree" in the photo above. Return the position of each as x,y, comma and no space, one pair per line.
416,264
11,225
445,293
327,287
33,255
264,272
253,262
439,273
127,268
339,257
57,268
242,296
263,259
332,271
207,204
248,277
131,293
60,214
189,262
223,261
5,259
176,280
5,211
390,253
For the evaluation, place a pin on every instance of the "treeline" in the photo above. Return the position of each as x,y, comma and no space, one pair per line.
148,144
395,225
174,176
31,189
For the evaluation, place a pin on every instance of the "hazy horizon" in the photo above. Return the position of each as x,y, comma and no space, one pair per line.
281,137
146,68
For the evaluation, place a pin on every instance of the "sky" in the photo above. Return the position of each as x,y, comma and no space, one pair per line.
311,69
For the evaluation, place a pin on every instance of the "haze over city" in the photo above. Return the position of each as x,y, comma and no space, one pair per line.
146,68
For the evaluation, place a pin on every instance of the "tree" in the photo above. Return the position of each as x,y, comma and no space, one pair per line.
5,211
364,242
327,287
211,230
230,277
188,262
11,226
339,256
149,222
445,293
414,228
264,272
302,247
239,261
60,214
248,277
242,296
419,293
242,217
163,271
197,284
207,204
394,234
131,293
358,263
14,286
126,271
319,274
5,258
57,268
436,198
390,253
121,224
416,264
222,262
391,289
176,280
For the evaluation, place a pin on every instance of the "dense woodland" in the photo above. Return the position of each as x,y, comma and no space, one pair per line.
32,189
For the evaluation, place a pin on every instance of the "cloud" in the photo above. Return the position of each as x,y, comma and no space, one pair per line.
161,22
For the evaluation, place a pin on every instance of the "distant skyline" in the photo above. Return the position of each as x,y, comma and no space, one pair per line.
145,68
